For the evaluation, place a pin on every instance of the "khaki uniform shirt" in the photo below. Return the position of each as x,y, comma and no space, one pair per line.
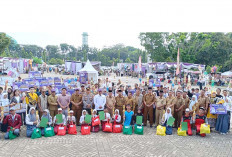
120,101
110,101
130,101
203,101
76,99
149,99
186,102
160,102
51,101
178,103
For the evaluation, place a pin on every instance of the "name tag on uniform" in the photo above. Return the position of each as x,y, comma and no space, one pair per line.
61,128
71,126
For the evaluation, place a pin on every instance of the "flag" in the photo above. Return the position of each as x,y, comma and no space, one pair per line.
140,64
178,62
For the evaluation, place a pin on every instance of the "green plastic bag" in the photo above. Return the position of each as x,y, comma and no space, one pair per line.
49,132
36,133
127,130
12,135
139,129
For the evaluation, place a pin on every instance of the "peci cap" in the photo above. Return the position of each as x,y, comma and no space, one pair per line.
71,111
187,110
59,109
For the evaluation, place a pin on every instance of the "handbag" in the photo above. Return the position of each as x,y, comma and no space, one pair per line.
49,132
205,129
138,129
117,128
127,130
168,130
95,128
85,130
72,130
181,132
108,127
61,130
36,133
96,121
161,130
11,134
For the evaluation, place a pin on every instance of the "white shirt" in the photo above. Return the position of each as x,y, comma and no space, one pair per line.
107,117
118,120
99,101
227,105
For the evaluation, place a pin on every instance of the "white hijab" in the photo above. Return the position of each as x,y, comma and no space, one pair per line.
192,102
168,115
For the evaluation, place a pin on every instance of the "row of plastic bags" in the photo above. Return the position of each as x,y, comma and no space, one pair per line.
204,129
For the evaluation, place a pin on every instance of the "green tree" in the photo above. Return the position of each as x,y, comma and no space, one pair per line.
4,42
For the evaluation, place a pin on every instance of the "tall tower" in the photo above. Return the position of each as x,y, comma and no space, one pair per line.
85,39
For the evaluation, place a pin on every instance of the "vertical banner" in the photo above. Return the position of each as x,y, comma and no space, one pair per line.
178,63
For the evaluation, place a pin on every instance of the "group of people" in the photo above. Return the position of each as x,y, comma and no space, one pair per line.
121,106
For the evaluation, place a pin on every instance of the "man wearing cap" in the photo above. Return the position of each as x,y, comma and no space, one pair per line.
82,91
160,106
76,100
203,101
64,101
99,101
110,102
178,107
120,103
42,102
138,100
130,101
170,101
13,121
149,99
87,99
52,103
31,99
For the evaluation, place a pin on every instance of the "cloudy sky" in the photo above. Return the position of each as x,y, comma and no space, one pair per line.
108,22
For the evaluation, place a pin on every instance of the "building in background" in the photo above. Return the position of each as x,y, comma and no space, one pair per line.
85,39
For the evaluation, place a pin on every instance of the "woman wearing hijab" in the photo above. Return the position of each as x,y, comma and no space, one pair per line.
46,114
10,93
212,118
193,105
31,121
166,117
82,119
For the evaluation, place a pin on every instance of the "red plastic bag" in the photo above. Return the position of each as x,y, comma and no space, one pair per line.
95,128
85,130
72,130
96,121
108,127
117,128
61,130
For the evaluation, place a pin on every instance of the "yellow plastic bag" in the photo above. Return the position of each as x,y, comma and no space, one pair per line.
205,129
181,133
161,130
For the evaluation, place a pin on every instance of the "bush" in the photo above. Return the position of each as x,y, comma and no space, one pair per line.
54,61
37,60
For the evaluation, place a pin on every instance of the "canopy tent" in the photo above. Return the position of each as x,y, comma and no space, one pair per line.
88,73
227,74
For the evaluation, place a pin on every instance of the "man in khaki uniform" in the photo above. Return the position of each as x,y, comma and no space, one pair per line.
120,103
76,100
129,100
179,105
170,101
186,101
203,101
149,100
52,103
138,100
110,102
82,91
160,105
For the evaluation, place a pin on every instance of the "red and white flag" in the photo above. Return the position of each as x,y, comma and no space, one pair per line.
178,63
140,63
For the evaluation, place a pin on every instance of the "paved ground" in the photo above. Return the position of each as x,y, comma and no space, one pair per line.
110,144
